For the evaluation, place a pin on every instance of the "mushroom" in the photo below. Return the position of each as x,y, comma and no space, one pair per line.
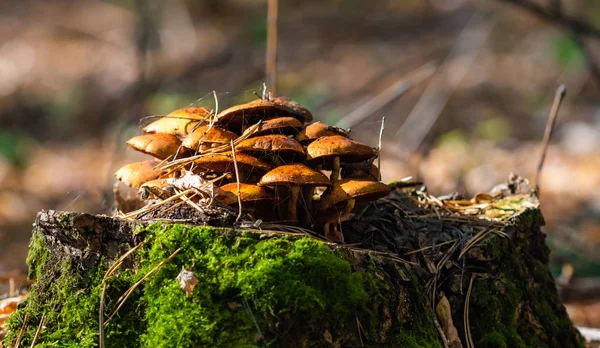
318,129
255,199
294,108
205,137
279,147
363,170
332,150
338,202
159,145
179,122
280,125
137,173
237,117
335,205
363,190
250,168
292,177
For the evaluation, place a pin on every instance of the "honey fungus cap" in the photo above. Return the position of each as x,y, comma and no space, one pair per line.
252,112
249,192
206,134
271,143
319,129
363,190
294,174
137,173
347,150
281,125
159,145
223,163
179,122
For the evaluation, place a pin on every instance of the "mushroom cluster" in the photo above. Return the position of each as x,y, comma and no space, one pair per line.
268,154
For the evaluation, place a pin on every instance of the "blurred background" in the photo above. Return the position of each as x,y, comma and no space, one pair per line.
465,86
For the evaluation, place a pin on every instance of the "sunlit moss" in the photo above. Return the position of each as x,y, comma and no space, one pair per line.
253,291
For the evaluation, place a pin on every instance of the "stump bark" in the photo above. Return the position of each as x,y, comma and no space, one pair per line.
268,288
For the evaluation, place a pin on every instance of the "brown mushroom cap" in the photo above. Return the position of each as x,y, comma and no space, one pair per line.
334,200
208,135
324,149
317,130
286,148
362,170
251,168
249,193
280,125
362,190
159,145
294,108
179,122
235,117
294,174
137,173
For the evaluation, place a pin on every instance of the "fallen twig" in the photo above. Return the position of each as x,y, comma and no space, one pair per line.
129,291
37,332
22,332
237,180
469,339
101,318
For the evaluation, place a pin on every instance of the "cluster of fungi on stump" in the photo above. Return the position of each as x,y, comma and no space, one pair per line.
281,157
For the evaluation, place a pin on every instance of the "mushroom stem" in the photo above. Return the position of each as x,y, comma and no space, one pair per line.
295,192
335,171
332,235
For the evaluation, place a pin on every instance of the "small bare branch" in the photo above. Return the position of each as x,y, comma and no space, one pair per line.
561,91
271,63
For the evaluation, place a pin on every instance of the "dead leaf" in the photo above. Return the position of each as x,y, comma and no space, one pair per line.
444,313
187,282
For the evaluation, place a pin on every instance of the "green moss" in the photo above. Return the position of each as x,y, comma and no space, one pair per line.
252,291
513,303
37,256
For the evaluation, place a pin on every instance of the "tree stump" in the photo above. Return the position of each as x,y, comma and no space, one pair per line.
416,272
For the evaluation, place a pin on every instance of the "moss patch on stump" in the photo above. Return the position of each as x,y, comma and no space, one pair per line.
253,290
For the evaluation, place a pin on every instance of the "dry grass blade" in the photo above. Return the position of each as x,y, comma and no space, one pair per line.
466,314
129,291
37,332
430,247
119,261
237,180
175,205
135,213
360,330
379,147
275,231
390,256
101,317
296,230
476,239
191,203
22,332
182,162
